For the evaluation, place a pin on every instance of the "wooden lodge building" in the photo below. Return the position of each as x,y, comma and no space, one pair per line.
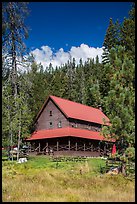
64,127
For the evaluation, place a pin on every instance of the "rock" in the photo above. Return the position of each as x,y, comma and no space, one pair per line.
114,171
22,160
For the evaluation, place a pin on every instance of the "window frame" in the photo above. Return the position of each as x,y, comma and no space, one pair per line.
51,124
60,124
50,113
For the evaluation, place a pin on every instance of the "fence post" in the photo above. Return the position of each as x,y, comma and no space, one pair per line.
123,168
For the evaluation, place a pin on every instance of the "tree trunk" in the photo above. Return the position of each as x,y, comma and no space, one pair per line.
10,156
18,150
14,72
11,142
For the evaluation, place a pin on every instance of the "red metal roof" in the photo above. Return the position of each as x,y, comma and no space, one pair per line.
78,111
64,132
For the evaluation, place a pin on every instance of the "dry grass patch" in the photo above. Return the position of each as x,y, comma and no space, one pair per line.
25,183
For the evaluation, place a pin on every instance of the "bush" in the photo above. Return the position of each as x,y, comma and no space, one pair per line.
130,153
4,153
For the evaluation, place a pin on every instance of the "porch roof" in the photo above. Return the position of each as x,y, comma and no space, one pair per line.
68,131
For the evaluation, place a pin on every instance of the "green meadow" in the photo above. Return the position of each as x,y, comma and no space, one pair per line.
43,180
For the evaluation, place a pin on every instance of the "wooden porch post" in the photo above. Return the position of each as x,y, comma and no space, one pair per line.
99,146
84,146
47,144
47,150
105,148
91,147
69,144
57,146
39,146
30,147
76,146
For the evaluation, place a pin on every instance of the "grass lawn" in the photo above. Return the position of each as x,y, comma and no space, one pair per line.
41,179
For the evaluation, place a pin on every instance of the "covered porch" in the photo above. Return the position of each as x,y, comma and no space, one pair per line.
71,141
71,146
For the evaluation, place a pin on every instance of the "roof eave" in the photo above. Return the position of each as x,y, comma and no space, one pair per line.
105,124
41,109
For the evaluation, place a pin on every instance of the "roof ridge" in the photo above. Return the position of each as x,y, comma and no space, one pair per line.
72,109
74,102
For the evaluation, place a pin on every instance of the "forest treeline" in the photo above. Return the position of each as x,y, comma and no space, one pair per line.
109,84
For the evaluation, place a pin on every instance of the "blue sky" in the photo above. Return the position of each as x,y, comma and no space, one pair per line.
63,25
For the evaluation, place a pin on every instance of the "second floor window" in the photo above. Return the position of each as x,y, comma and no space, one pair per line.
50,125
74,125
50,113
59,124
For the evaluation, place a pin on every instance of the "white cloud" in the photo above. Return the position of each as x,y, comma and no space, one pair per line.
45,55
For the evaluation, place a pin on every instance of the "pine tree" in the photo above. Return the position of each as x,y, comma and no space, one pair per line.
7,113
64,80
71,70
14,31
13,48
37,87
80,84
128,33
120,102
110,37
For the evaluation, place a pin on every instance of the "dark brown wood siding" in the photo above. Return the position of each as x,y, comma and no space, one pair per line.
45,119
51,116
84,125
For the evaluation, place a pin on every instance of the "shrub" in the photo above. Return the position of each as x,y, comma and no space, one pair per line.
130,153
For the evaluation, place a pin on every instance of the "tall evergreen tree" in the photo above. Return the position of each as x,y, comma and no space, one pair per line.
71,70
80,83
128,33
111,36
38,87
120,102
13,49
112,39
14,32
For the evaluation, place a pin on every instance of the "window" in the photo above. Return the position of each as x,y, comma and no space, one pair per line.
50,113
50,124
74,125
59,124
89,126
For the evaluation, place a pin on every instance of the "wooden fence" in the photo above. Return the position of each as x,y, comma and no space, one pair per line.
66,159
